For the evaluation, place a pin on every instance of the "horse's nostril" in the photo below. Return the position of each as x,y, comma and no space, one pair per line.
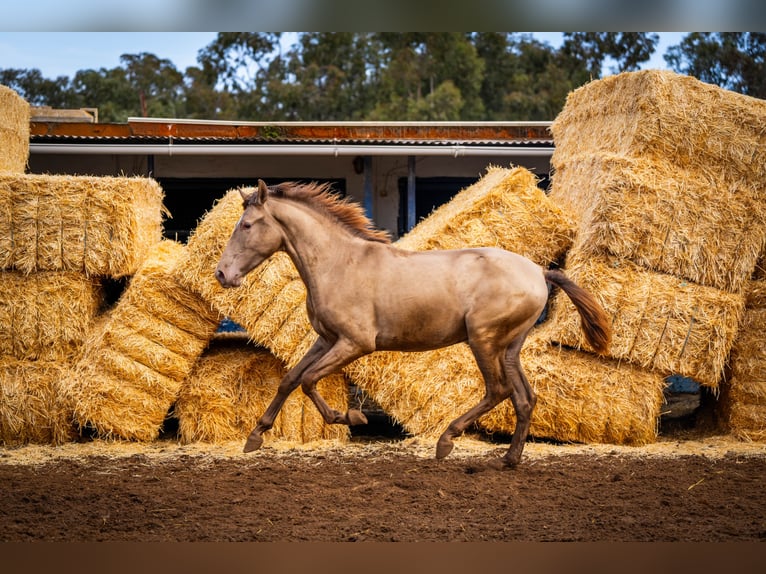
220,276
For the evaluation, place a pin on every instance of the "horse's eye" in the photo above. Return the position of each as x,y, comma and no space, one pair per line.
246,225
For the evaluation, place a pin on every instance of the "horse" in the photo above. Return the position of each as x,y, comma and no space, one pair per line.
365,294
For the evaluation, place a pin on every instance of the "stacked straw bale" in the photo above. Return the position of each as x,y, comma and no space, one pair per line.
101,226
659,322
31,409
14,131
45,316
660,173
665,117
134,362
743,396
505,209
692,224
231,386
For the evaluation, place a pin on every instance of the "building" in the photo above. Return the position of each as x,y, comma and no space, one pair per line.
399,171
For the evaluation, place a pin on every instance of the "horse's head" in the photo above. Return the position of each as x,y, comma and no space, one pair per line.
256,236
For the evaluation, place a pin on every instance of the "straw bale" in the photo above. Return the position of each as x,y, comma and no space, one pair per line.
689,223
46,315
94,225
135,361
742,403
581,397
664,116
659,322
505,209
231,386
32,409
14,131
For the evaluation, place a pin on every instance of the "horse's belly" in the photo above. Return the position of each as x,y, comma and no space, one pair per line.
419,328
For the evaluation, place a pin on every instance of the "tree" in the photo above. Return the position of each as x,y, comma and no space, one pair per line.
627,49
732,60
156,82
420,64
37,90
525,79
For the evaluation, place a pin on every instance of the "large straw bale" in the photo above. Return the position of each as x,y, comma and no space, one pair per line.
664,116
134,362
659,322
32,409
101,226
14,131
743,396
581,397
691,223
230,387
46,315
505,209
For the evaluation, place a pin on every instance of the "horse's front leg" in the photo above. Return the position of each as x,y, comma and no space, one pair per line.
288,384
338,356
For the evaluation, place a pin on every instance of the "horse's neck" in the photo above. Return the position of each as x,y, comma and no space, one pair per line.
312,241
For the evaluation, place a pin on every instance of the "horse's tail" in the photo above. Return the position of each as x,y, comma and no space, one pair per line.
594,320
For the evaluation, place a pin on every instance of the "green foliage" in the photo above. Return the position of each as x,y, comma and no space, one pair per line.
337,76
732,60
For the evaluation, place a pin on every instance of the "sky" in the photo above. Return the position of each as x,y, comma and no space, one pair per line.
65,53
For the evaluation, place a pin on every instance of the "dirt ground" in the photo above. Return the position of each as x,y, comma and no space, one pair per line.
699,488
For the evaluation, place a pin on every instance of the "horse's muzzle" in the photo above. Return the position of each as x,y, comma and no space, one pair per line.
224,281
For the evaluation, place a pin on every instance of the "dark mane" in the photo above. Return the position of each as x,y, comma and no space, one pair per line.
320,197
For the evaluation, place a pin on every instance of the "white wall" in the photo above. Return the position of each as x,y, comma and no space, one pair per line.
386,171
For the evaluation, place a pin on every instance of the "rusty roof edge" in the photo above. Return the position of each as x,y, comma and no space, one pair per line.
392,131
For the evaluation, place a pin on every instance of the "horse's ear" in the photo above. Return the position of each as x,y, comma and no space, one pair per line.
245,196
262,191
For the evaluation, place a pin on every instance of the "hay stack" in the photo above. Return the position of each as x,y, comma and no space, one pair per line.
743,397
230,387
103,226
31,409
691,223
134,362
14,131
505,209
46,315
659,322
665,117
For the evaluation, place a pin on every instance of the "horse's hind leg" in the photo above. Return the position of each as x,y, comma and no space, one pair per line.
524,400
490,365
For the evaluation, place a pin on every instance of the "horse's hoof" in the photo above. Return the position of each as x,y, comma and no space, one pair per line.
443,447
356,417
254,442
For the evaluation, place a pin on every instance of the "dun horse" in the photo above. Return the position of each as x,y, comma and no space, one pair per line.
365,294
